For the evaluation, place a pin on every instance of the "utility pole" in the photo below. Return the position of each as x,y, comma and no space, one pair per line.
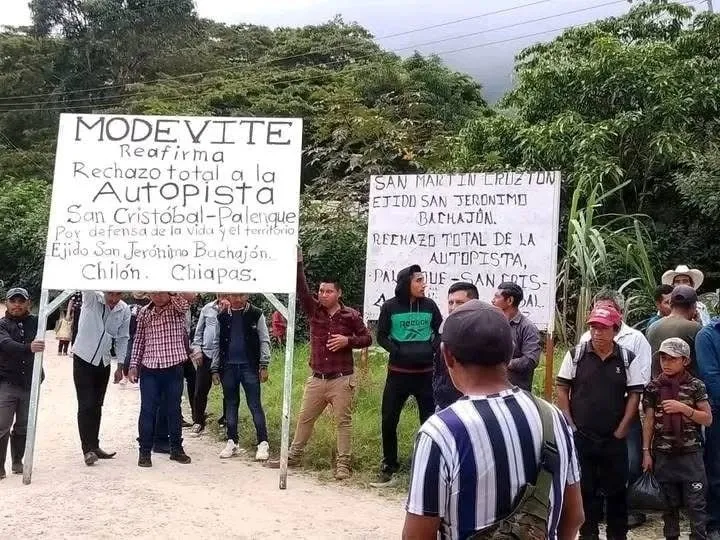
710,6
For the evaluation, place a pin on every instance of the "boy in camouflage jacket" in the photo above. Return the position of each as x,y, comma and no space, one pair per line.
676,405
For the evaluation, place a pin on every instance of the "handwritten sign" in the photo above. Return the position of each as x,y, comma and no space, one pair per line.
482,228
174,203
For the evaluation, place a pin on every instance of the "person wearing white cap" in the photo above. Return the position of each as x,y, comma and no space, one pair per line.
676,406
692,277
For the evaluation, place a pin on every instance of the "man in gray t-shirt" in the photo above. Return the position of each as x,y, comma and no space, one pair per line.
679,324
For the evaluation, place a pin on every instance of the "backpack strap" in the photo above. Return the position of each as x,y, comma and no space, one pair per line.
549,459
625,357
530,516
578,353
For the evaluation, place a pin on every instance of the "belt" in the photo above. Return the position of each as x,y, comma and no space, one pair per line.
331,376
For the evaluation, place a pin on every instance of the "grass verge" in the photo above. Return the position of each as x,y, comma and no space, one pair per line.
366,439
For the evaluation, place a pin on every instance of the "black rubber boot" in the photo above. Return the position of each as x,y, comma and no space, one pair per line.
17,451
3,453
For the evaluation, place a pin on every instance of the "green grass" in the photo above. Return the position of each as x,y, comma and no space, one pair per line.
366,439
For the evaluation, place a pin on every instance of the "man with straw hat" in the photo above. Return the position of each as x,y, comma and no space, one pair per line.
692,277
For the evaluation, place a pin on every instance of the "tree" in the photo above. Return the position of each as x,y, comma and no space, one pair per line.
365,111
24,209
626,103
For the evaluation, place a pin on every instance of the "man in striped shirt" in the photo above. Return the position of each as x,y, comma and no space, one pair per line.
472,459
160,349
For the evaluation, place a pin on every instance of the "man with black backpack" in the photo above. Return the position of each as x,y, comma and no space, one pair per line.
475,471
599,388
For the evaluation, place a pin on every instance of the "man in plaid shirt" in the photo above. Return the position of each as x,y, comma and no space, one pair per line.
159,351
335,330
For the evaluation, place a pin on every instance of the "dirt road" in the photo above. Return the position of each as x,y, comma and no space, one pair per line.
209,498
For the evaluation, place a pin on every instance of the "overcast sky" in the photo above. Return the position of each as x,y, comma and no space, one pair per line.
489,53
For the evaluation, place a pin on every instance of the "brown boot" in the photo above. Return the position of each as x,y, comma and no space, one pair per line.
342,472
342,468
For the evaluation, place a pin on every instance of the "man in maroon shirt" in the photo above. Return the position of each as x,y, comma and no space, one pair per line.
335,330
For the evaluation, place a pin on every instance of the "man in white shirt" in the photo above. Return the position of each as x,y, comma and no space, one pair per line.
104,317
635,342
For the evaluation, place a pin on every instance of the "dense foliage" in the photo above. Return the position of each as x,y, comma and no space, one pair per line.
626,108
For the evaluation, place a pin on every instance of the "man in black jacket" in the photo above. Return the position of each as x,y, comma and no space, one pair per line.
17,346
409,329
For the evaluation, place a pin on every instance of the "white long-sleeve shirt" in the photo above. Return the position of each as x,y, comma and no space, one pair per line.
98,326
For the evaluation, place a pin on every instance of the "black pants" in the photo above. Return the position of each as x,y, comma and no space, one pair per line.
398,388
682,477
90,385
190,378
203,382
603,480
14,405
63,345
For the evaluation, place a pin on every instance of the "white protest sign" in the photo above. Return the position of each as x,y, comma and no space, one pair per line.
482,228
174,203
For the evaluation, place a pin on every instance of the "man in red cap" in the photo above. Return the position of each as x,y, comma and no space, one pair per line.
599,389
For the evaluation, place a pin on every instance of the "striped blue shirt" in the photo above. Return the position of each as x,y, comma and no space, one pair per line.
472,459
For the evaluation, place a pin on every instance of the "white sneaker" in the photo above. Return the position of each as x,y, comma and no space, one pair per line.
196,430
263,452
230,449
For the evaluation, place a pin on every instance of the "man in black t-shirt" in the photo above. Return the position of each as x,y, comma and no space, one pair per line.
599,389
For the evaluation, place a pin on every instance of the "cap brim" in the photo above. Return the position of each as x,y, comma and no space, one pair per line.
601,320
670,353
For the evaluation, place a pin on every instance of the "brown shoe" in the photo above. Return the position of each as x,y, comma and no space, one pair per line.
293,463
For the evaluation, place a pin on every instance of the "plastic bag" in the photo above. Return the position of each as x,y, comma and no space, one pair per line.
646,493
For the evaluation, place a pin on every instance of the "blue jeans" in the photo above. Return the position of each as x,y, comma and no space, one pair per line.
153,384
162,433
233,376
712,469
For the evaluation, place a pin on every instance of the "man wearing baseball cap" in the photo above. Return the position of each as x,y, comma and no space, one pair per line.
680,324
472,458
599,389
676,406
17,347
634,341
